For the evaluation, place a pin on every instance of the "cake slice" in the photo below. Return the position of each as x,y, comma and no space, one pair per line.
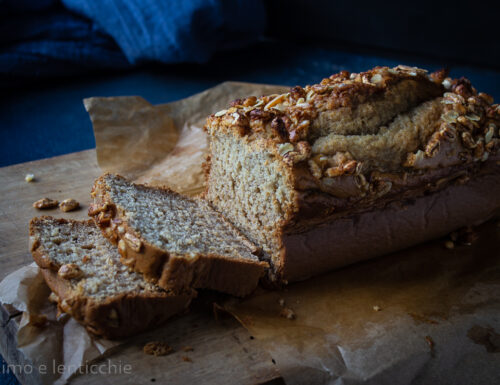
84,272
175,241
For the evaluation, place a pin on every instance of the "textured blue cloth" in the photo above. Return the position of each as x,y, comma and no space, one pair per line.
172,31
41,38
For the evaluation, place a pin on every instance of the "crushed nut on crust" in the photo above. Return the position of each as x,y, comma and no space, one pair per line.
377,308
53,297
29,178
45,203
133,242
69,205
288,313
69,271
157,348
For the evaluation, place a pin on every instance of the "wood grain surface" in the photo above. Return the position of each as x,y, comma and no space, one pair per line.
223,352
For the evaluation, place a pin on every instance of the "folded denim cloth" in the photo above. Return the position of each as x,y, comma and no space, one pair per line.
48,38
173,31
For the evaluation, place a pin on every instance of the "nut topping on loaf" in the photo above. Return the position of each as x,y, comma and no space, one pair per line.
282,163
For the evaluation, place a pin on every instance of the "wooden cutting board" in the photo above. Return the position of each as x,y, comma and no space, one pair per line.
223,351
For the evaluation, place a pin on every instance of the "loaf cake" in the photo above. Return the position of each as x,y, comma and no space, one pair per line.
356,166
83,270
175,241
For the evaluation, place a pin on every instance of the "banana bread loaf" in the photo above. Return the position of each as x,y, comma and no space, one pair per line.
84,271
175,241
356,166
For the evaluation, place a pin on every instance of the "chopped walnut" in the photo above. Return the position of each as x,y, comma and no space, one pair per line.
157,348
132,241
69,205
288,313
45,203
69,271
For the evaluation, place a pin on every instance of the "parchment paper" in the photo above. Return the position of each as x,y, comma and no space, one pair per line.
438,319
438,314
59,347
163,144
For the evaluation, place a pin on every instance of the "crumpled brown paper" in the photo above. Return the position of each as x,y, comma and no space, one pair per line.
158,145
58,348
425,315
163,144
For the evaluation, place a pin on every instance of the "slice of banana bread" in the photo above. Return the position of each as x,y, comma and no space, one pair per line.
84,271
175,241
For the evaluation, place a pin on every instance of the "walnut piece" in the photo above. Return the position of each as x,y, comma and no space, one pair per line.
45,203
69,271
157,348
69,205
133,242
288,313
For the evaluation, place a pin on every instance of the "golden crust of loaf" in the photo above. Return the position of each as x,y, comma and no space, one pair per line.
353,143
118,315
456,127
235,276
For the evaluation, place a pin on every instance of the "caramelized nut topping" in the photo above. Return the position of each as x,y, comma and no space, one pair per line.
69,205
45,203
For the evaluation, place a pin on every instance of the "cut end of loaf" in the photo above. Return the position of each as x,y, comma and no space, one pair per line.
85,259
177,224
91,284
174,240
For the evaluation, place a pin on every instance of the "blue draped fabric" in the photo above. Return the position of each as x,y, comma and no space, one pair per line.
51,38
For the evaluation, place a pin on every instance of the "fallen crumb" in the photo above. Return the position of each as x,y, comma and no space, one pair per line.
157,348
281,302
186,359
449,245
45,203
187,348
377,308
430,342
288,313
69,205
38,320
29,178
53,297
